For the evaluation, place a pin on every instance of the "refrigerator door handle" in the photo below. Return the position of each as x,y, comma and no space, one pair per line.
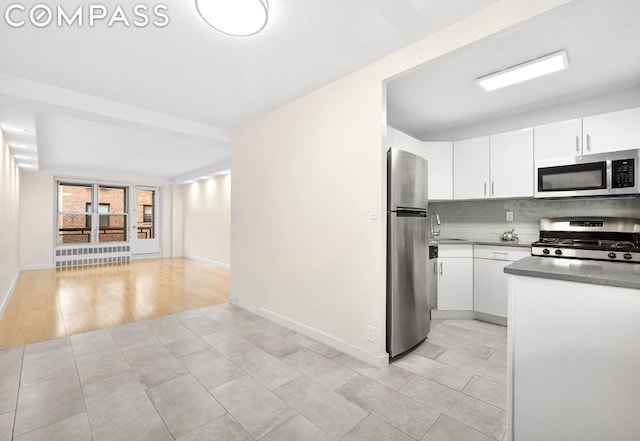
440,268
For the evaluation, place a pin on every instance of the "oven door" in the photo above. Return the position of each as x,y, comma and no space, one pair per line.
589,175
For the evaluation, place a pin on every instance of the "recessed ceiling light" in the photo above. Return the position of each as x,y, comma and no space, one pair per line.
239,18
547,64
25,157
19,147
15,129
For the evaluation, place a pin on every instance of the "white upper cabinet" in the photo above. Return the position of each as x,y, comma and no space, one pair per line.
440,158
611,132
608,132
511,156
558,140
402,141
471,168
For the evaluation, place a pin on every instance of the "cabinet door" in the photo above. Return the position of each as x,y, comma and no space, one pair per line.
471,168
440,158
402,141
558,140
490,286
612,132
512,164
455,284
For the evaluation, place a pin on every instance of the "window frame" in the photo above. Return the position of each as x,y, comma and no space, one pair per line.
90,216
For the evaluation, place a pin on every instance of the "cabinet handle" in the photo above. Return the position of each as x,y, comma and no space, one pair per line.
493,188
485,189
588,142
440,268
577,144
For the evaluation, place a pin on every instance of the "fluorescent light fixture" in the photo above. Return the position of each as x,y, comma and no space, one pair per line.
239,18
547,64
27,165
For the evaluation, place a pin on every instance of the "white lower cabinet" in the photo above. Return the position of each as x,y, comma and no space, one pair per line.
490,287
455,277
489,279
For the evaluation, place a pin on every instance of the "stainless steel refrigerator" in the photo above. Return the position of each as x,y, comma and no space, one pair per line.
407,251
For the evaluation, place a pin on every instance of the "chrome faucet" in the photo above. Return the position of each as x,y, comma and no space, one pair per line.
435,216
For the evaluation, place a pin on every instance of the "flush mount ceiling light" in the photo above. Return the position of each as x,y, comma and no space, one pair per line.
239,18
547,64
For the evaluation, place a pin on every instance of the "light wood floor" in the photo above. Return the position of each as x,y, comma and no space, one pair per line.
52,303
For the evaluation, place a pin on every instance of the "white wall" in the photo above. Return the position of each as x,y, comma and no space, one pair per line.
9,223
206,220
36,220
177,222
304,177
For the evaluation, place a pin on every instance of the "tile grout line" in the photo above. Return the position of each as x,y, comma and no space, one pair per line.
75,364
15,415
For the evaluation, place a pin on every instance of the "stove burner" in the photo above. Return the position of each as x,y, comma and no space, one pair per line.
612,239
623,245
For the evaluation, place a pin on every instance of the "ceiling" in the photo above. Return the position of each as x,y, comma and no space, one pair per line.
117,98
600,37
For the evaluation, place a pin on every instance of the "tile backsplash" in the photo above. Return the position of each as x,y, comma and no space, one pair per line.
485,219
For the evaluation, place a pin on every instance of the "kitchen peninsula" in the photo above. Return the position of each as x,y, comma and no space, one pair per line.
574,330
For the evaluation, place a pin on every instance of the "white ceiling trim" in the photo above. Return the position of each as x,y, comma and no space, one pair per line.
46,93
107,176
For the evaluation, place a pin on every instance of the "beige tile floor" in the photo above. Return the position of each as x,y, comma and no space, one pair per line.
223,373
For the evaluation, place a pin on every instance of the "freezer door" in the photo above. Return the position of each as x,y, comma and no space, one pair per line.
407,180
407,288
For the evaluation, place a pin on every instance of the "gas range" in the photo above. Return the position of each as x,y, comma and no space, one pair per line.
596,238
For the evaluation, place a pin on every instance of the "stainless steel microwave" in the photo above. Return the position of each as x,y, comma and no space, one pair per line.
602,174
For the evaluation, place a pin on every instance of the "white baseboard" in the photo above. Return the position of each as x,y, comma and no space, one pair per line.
439,314
146,256
472,315
38,267
209,262
324,338
8,294
496,320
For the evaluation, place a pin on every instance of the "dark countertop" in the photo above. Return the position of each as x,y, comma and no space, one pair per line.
620,274
501,243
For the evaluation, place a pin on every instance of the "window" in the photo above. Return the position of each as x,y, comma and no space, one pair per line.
147,215
102,209
77,214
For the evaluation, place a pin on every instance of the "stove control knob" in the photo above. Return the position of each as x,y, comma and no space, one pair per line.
546,251
612,255
627,256
559,252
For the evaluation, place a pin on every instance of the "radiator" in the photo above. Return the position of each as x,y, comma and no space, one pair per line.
91,255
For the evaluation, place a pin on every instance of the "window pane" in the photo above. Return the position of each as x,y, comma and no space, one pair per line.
102,208
146,224
113,228
72,228
73,198
113,197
